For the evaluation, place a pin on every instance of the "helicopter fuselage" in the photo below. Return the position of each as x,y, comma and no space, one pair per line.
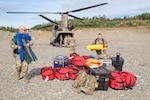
57,37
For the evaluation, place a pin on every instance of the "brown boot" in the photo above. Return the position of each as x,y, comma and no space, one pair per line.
18,76
26,80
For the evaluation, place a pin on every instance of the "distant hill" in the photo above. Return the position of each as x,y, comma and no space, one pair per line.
96,22
103,22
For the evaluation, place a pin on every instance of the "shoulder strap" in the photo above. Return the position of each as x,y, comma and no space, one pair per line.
103,41
95,40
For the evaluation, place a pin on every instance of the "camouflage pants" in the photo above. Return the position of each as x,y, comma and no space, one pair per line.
98,52
72,49
21,66
66,41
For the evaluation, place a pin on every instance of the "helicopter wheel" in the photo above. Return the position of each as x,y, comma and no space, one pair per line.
53,44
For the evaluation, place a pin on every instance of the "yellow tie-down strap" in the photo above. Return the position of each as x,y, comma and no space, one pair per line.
95,47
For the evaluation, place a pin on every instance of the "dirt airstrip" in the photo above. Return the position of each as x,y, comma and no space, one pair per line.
132,43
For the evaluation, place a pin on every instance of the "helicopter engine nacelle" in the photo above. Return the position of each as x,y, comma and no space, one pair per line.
70,27
56,27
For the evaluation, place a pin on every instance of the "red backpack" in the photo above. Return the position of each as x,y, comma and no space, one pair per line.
47,73
120,80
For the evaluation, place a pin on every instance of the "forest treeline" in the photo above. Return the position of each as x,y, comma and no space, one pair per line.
96,22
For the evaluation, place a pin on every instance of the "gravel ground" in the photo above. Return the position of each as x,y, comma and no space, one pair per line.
132,43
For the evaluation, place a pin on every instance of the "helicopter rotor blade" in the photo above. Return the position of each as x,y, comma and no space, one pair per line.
59,12
45,26
34,12
47,19
87,7
74,17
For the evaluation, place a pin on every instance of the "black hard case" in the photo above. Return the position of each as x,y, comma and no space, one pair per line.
118,62
102,76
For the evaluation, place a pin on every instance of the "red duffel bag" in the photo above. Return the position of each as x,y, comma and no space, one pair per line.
77,60
73,72
61,73
121,80
47,73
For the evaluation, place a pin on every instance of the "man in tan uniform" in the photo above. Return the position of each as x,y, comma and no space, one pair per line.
102,41
72,44
66,41
21,65
61,40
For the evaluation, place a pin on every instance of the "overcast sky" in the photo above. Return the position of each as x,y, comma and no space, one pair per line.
114,9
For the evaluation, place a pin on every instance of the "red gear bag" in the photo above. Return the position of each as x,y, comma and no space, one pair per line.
121,80
47,73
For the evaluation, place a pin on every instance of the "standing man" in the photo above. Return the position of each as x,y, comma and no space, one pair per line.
23,54
72,44
66,40
102,41
61,40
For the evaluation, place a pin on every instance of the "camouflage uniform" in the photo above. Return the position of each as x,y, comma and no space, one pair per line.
61,40
72,44
21,66
80,80
66,41
85,83
90,84
104,43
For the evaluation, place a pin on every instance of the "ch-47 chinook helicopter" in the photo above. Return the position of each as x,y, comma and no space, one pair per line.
62,30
